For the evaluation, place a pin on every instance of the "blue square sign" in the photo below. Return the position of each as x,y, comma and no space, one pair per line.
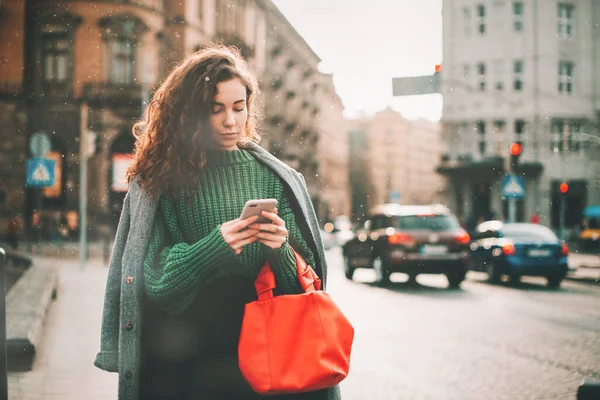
513,187
40,172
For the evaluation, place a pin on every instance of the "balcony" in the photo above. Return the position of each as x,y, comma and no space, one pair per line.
233,39
114,95
464,165
10,89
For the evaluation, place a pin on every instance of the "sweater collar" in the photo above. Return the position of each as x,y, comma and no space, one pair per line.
216,158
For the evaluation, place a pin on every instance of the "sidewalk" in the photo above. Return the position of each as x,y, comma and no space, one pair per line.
63,367
586,267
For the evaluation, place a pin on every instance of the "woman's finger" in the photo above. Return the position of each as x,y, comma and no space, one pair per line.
240,224
245,242
244,234
270,227
273,217
270,237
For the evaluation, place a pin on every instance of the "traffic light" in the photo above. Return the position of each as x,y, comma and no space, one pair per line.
564,188
515,154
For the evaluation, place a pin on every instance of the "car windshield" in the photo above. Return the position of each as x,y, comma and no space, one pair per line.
529,232
435,222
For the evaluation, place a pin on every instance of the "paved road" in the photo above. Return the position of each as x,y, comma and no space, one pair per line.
424,342
479,342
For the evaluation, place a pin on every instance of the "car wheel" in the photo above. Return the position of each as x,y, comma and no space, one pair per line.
514,279
348,268
455,279
554,282
493,273
382,275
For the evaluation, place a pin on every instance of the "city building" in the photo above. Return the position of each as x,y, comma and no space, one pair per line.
333,198
91,66
396,161
521,72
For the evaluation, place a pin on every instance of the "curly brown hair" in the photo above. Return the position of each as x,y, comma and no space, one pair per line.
170,148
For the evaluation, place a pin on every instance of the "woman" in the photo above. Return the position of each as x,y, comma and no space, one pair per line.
183,264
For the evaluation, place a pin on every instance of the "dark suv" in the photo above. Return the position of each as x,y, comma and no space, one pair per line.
409,239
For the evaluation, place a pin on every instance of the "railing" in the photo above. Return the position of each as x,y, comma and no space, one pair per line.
114,93
10,88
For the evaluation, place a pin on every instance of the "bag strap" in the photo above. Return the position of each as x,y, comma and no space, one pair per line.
307,277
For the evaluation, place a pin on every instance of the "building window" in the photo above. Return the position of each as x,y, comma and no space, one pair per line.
565,77
518,75
121,70
518,16
467,77
565,20
481,19
467,21
121,35
519,129
480,127
557,144
499,74
481,73
499,135
54,50
56,60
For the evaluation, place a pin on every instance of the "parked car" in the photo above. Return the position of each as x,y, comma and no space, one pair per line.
518,249
589,237
409,239
342,229
329,240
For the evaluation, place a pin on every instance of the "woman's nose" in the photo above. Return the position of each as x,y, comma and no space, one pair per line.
229,119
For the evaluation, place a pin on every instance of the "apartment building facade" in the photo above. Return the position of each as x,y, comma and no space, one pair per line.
60,58
522,72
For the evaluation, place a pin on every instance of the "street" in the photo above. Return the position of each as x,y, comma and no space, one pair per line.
482,341
411,342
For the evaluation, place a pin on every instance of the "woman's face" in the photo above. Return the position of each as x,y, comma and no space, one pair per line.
228,115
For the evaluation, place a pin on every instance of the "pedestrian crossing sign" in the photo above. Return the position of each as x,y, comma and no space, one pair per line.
40,172
513,187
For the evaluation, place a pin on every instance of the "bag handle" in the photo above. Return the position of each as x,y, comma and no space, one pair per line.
307,277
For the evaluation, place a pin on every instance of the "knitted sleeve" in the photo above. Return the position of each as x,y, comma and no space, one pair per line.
174,269
282,260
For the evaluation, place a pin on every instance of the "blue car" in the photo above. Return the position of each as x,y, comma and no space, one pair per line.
518,249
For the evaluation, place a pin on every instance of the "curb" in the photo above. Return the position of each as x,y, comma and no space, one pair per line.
27,306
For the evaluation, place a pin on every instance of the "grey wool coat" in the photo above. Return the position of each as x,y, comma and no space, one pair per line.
120,344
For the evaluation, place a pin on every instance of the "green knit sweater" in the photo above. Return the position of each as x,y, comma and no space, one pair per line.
187,249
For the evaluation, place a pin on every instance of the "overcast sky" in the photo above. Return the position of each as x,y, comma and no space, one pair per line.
365,43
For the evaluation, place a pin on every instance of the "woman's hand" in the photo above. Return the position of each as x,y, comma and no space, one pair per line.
235,236
274,234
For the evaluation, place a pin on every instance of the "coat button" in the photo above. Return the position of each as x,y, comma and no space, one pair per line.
128,374
129,278
128,326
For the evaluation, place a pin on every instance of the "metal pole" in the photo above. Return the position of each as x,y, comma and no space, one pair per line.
561,219
83,185
39,204
512,210
3,362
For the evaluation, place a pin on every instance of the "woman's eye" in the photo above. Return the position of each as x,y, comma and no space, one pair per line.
216,110
239,109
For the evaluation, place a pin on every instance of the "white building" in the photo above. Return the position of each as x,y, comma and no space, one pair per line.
523,71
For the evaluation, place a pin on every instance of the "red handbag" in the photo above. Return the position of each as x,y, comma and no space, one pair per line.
293,343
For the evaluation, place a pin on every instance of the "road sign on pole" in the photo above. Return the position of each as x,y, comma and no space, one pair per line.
416,85
39,144
513,187
40,172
